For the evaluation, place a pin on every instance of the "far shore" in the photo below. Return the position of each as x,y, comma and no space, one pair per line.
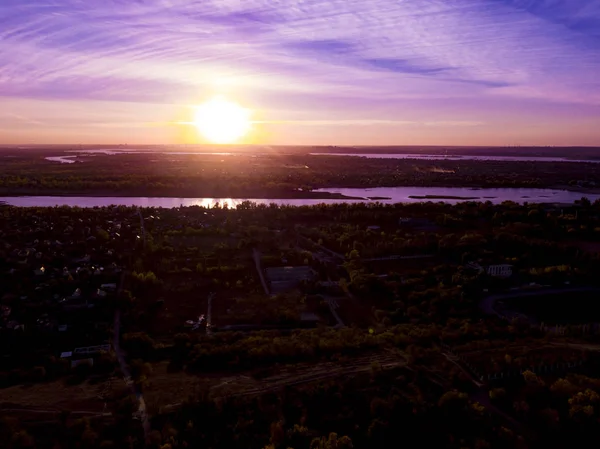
294,194
443,197
148,194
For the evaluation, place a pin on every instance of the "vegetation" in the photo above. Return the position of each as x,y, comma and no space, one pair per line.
417,361
288,174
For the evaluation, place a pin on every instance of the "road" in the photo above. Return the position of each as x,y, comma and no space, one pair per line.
425,256
143,228
142,411
256,256
209,314
56,412
333,306
487,305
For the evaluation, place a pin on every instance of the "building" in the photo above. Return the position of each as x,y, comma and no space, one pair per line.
500,271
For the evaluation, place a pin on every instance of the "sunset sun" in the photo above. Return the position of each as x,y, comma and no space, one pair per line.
222,121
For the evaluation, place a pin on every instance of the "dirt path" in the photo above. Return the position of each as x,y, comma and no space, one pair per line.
142,411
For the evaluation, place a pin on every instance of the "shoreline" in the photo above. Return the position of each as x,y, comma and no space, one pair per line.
300,195
263,196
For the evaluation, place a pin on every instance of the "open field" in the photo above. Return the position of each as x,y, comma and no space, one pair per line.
57,395
167,389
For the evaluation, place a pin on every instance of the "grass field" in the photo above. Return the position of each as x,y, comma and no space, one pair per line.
57,395
168,389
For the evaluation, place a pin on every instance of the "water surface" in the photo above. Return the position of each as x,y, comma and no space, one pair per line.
62,159
386,195
441,157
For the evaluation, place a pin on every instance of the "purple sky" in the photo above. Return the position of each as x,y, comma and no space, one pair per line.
348,72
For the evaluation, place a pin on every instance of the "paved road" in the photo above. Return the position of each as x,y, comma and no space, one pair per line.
142,226
209,314
424,256
55,412
333,306
256,255
487,305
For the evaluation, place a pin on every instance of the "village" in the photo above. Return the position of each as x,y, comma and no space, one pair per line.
129,302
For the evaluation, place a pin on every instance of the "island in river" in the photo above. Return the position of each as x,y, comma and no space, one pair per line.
443,197
280,173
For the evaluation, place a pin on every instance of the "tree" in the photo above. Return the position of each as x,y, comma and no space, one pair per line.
22,440
582,405
332,442
453,401
277,434
89,438
532,379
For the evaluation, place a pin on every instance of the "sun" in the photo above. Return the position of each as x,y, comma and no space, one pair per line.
222,121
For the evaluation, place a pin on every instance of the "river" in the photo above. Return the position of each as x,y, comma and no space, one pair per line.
386,195
456,157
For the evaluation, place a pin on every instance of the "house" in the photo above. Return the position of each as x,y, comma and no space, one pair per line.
501,271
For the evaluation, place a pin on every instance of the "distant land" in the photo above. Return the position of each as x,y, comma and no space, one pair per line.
574,152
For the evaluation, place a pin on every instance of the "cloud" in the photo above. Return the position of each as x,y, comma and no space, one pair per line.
302,54
363,122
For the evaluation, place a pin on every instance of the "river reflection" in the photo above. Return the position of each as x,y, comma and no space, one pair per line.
386,195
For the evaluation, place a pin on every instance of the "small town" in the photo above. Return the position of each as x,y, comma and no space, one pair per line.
113,316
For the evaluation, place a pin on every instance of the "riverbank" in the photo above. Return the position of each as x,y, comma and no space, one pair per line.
385,195
326,193
300,195
444,197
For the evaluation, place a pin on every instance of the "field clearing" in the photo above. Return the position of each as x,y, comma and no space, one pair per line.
56,395
174,388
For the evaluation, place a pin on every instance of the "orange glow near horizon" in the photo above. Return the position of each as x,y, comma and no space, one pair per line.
222,121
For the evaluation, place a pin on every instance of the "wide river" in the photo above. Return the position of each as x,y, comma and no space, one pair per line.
391,195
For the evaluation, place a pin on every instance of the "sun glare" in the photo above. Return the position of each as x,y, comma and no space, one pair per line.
222,121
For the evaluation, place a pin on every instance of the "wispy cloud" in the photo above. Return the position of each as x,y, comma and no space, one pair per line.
345,123
303,56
